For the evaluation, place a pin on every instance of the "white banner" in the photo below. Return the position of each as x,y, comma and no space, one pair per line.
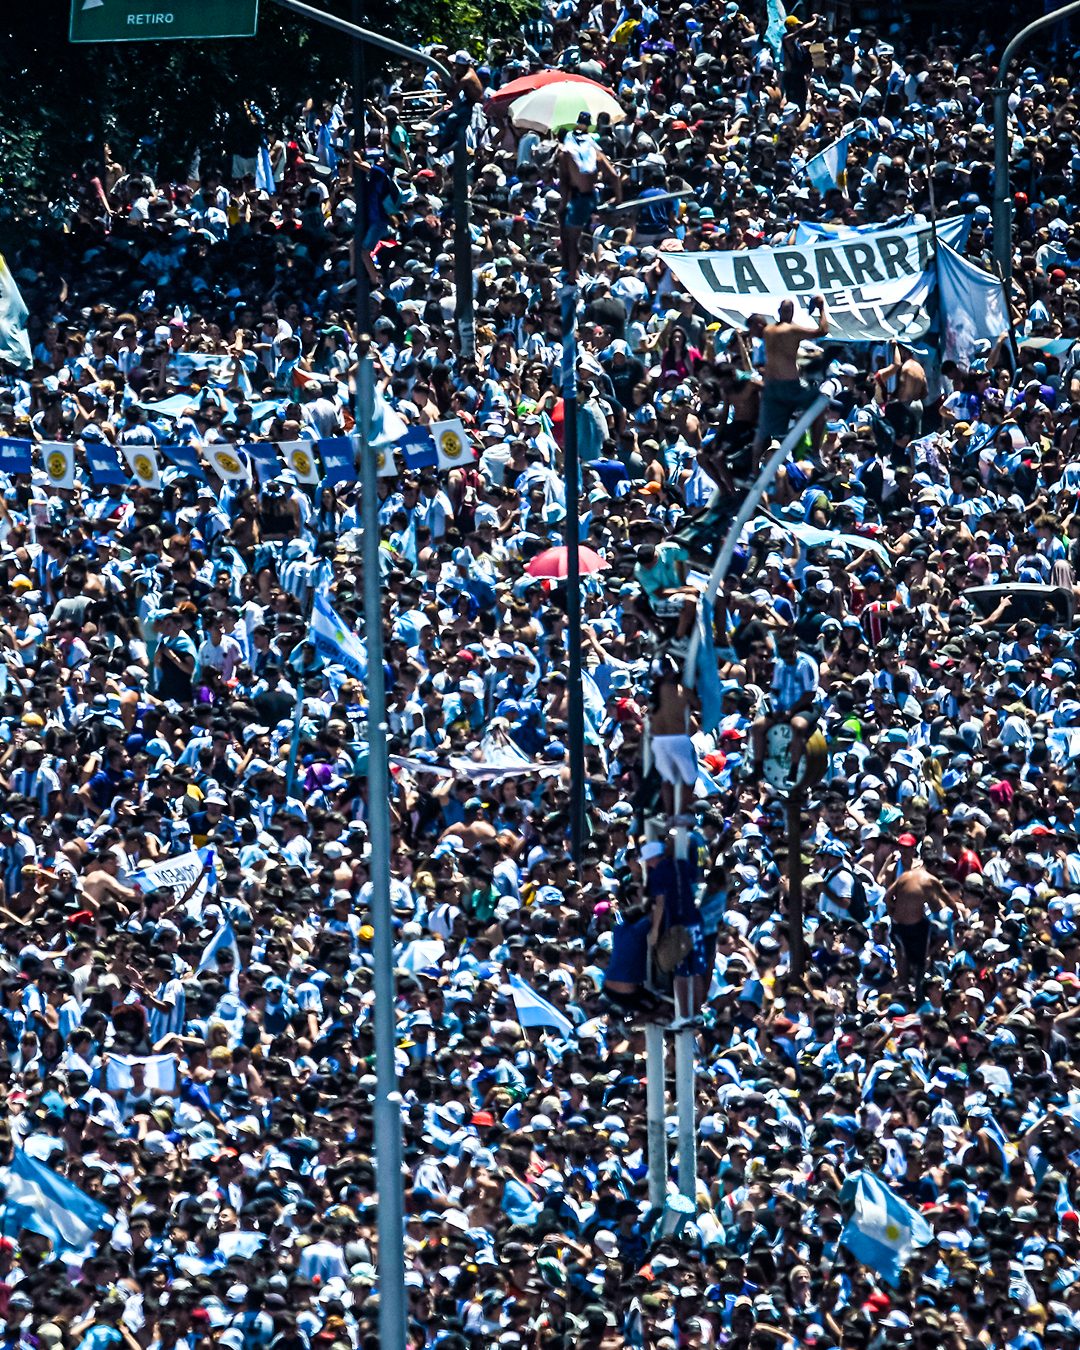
177,874
876,285
159,1072
452,444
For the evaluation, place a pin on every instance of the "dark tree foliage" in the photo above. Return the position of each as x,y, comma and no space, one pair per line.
157,103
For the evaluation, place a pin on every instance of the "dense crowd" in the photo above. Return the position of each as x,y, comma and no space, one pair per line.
193,1049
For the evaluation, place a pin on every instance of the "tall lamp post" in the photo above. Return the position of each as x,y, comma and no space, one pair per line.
393,1307
1002,196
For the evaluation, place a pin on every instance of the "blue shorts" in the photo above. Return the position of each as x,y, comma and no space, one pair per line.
579,210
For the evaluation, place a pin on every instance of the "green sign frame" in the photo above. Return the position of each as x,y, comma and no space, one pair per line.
155,20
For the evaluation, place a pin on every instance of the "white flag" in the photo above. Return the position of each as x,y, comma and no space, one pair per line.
301,457
228,463
58,460
452,443
142,460
386,461
14,343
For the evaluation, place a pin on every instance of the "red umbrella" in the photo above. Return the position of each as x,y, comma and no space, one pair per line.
552,563
527,83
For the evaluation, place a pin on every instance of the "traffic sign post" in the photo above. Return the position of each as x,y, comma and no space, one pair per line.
153,20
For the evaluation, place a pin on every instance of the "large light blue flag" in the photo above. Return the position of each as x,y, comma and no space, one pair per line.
882,1229
1063,1205
972,305
707,672
334,639
533,1010
14,343
39,1199
264,172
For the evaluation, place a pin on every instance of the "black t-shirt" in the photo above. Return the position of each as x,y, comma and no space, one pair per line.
610,312
624,378
746,635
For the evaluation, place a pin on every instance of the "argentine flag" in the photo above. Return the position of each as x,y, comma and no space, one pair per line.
387,426
264,172
41,1201
828,169
707,669
335,640
882,1229
224,940
14,343
535,1011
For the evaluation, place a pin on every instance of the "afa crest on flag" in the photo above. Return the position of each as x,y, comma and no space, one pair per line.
58,461
452,444
300,456
142,460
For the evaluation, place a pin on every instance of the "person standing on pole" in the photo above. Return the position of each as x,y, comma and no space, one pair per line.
581,166
785,393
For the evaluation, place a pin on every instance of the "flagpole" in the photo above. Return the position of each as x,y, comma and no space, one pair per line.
572,475
298,711
387,1113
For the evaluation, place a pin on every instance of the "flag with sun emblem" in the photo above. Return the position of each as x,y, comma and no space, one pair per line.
452,444
882,1228
142,460
58,459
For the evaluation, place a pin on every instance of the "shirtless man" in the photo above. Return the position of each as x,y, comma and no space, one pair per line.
673,750
784,392
581,165
904,410
909,901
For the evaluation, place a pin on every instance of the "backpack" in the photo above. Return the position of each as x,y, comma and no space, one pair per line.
858,906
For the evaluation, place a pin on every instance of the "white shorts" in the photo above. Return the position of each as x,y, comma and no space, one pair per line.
676,759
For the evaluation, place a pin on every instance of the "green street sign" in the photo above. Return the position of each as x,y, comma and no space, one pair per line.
152,20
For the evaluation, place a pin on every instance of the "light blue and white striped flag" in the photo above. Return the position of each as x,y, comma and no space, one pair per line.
387,427
324,148
224,940
828,169
883,1229
14,343
535,1011
39,1199
264,171
335,640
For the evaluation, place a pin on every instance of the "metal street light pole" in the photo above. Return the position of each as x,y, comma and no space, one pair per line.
572,474
1002,196
393,1309
462,235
